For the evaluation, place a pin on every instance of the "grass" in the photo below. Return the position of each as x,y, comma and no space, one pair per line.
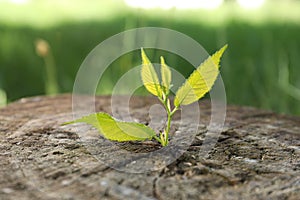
263,47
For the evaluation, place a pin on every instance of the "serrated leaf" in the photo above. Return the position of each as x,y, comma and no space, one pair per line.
149,76
117,130
165,75
200,81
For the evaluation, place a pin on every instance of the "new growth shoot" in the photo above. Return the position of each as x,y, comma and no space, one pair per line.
194,88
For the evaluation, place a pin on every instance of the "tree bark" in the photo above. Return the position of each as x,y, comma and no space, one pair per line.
256,156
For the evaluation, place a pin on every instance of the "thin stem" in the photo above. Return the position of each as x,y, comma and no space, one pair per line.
165,134
170,115
167,130
173,111
157,138
163,138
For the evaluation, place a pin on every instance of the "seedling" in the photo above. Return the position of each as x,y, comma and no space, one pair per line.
195,87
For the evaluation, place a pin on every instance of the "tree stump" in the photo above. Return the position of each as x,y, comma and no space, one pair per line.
256,157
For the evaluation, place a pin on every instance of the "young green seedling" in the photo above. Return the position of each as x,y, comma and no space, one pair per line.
195,87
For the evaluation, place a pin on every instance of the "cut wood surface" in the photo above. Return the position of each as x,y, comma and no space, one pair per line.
256,156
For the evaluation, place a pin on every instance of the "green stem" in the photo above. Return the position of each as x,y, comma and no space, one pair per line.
157,138
167,130
163,138
170,115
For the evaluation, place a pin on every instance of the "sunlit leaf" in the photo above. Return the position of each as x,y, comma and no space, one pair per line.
117,130
149,76
200,81
165,75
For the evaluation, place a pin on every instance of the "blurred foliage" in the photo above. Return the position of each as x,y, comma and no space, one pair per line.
262,45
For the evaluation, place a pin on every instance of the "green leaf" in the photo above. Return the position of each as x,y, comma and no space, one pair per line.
200,81
165,75
149,76
117,130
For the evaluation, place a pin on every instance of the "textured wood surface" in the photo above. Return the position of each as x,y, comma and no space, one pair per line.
256,157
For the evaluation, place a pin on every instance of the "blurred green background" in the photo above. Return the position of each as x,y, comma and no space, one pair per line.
44,42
